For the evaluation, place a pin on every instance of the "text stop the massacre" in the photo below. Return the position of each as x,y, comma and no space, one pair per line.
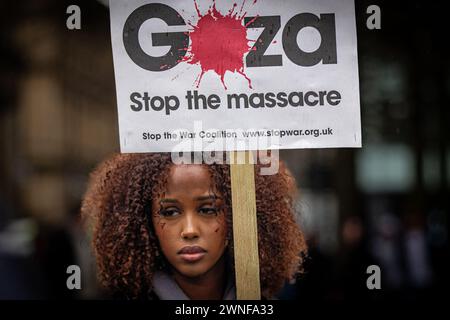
145,102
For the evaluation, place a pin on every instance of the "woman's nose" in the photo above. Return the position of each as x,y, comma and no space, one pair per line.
190,229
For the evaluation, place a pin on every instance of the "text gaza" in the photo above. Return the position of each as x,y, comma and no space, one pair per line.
178,41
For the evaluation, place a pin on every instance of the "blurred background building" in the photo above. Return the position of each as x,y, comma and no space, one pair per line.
385,204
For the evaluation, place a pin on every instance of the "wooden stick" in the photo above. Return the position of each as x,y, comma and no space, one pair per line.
245,230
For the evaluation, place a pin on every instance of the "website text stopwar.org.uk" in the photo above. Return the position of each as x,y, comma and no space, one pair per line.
287,133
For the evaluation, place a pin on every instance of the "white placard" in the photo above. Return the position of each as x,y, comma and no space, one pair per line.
224,75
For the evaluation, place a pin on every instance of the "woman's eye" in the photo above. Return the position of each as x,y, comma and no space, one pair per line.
169,213
209,211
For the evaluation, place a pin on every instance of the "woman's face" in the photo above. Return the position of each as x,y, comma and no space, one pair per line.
189,221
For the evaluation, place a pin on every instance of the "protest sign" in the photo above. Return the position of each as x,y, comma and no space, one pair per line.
235,75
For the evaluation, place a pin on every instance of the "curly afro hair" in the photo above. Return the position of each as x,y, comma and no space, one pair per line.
117,204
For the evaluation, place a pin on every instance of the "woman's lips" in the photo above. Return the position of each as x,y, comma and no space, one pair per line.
192,253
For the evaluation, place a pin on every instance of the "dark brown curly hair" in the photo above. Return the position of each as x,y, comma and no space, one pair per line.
117,204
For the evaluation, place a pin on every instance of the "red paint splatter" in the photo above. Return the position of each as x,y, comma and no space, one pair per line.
219,42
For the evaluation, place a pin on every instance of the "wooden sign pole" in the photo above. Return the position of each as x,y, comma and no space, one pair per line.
245,230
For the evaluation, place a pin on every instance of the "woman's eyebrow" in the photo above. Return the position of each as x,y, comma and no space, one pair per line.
209,197
169,201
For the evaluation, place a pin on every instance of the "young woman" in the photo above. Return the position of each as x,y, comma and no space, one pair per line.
164,231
